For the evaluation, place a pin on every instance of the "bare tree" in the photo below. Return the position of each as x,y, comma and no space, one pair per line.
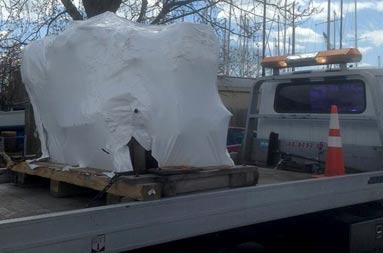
27,20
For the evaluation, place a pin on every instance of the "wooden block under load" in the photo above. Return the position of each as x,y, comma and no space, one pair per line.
61,189
25,180
20,178
246,178
160,183
203,179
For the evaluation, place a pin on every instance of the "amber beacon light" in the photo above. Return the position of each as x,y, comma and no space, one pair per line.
336,56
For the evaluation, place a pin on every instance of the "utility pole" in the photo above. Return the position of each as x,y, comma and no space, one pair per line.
241,44
334,45
264,36
246,44
341,25
228,41
279,40
289,46
328,23
379,61
285,29
224,49
275,46
293,35
258,61
356,27
356,24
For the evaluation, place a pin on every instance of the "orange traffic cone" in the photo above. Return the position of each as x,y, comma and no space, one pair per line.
334,156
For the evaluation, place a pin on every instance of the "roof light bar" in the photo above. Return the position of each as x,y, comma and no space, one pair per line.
336,56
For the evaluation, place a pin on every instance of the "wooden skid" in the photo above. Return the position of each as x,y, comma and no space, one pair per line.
159,183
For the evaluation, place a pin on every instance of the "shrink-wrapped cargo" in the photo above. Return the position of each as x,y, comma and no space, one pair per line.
105,80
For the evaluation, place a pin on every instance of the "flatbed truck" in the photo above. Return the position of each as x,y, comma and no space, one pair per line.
33,221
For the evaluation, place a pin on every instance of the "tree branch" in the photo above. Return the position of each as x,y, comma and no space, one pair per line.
188,13
53,20
170,6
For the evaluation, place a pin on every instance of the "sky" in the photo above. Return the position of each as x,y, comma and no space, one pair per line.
370,29
309,33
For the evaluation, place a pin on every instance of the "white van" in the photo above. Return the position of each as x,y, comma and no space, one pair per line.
289,117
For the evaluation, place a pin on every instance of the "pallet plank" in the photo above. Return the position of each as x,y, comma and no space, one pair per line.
95,181
159,183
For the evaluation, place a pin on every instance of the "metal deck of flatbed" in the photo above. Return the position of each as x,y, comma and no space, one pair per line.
23,201
280,194
17,202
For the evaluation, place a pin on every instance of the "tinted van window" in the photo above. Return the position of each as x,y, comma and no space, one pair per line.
317,97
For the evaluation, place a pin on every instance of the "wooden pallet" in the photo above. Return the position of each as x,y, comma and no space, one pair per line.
156,184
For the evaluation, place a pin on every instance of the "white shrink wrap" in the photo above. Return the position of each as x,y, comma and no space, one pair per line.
105,80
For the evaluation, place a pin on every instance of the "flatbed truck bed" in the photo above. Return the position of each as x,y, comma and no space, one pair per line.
33,221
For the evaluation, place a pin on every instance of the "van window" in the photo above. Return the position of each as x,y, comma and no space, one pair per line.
317,97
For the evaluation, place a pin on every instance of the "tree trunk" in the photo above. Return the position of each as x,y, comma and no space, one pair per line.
72,10
95,7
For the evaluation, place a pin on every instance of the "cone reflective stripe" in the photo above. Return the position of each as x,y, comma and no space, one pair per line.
334,156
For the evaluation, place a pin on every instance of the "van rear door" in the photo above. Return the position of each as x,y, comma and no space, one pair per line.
297,109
